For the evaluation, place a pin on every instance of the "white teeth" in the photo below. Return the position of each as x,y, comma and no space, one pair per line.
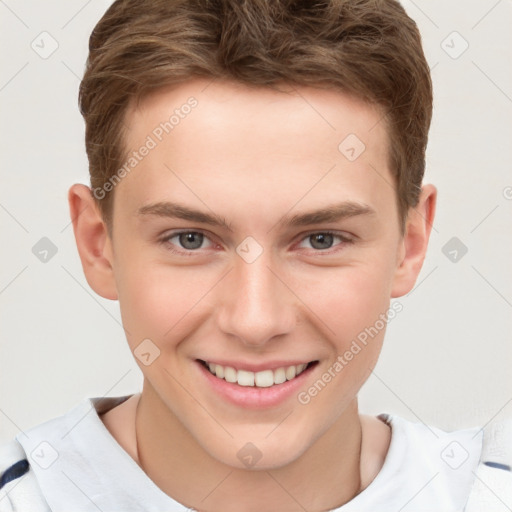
230,374
263,379
291,371
245,378
219,371
279,376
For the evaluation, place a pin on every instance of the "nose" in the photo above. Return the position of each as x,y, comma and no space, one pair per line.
256,306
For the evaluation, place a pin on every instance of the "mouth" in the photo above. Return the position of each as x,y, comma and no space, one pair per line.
256,386
266,378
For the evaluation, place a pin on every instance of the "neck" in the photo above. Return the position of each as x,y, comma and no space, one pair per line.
325,476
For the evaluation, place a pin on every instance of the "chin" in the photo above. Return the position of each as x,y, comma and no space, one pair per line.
260,453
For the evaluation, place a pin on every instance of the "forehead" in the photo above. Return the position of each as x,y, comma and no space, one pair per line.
304,112
212,139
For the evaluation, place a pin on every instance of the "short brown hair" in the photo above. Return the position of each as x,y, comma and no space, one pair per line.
368,48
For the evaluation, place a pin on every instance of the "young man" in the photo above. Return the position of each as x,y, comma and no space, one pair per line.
256,202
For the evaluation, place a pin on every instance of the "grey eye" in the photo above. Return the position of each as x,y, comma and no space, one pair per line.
321,240
191,240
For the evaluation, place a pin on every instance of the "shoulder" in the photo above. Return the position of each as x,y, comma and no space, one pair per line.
440,463
447,450
471,467
492,487
34,466
19,489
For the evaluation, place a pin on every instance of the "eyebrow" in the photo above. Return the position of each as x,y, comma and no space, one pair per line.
179,211
331,213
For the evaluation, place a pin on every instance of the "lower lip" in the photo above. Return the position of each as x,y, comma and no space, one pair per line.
253,397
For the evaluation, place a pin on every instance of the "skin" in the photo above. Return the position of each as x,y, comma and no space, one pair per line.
254,157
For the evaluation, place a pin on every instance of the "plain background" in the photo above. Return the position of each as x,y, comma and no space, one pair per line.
447,355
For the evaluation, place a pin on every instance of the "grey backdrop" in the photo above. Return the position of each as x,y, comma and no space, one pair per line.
447,355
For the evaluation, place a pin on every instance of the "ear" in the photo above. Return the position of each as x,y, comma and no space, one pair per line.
415,242
92,240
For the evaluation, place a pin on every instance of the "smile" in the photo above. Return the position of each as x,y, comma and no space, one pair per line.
261,379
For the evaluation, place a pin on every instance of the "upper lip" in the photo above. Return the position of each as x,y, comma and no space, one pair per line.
258,367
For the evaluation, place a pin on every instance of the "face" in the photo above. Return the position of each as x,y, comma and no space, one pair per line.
255,241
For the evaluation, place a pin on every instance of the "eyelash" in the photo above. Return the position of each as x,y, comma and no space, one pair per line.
192,252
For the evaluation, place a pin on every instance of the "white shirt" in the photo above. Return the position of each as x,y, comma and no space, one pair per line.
80,467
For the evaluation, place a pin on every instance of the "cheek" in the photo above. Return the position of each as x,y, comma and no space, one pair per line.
354,305
160,302
351,299
154,306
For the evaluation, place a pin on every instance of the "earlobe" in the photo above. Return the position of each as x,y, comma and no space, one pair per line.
415,242
93,241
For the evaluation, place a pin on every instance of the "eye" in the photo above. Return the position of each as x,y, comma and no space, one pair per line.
324,240
187,241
